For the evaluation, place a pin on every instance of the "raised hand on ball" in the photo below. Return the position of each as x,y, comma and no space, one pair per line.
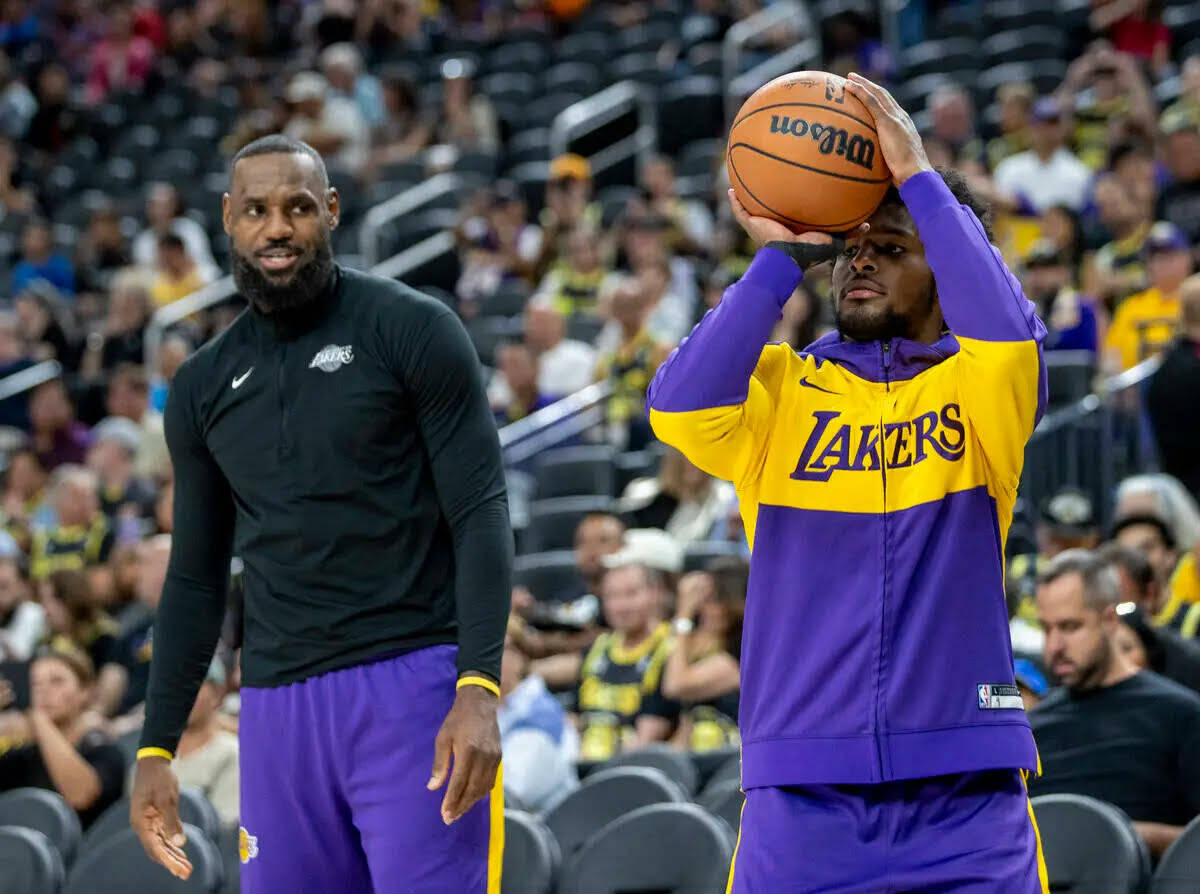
898,138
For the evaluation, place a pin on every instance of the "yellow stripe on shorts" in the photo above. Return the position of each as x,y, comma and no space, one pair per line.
496,837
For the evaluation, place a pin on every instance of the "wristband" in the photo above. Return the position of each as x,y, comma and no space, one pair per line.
154,752
482,682
805,254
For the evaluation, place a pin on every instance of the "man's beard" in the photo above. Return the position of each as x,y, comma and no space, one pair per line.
1095,668
303,288
869,324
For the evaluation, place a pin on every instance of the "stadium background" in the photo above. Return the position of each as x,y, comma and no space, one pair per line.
554,173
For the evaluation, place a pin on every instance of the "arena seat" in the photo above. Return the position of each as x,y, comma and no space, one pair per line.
575,471
572,77
730,769
663,847
1007,15
523,56
1069,376
640,67
29,863
231,860
675,765
508,300
934,56
606,795
724,801
531,855
46,812
706,59
1178,871
552,522
647,38
688,110
1023,45
546,575
1090,846
194,809
590,47
708,763
487,333
119,866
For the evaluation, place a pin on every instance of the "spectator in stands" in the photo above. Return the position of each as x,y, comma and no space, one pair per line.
682,500
22,621
1105,89
1015,100
25,501
1125,736
568,205
396,29
467,120
56,743
123,495
172,351
119,339
501,251
76,621
673,303
167,213
342,66
57,437
1132,161
1141,584
15,196
1188,104
41,331
1164,498
164,507
1171,396
39,261
517,364
630,366
1070,317
538,742
952,121
207,755
1145,322
102,250
702,672
176,275
691,223
128,397
1134,27
82,535
56,122
137,643
619,693
573,284
1179,201
1151,536
123,60
330,124
565,365
1059,226
1046,173
1118,269
404,132
17,103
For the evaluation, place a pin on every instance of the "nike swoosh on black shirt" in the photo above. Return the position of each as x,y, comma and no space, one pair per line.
807,384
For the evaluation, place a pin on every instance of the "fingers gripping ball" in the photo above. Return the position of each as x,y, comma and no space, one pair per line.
804,151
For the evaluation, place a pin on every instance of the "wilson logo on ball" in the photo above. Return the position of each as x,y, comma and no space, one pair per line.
830,140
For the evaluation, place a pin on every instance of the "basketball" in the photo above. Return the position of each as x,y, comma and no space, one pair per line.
803,151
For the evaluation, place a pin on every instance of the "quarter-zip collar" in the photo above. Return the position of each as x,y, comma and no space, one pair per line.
290,324
908,358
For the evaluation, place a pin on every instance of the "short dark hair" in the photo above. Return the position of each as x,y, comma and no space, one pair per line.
73,657
1101,586
1131,561
1164,530
279,144
171,240
957,183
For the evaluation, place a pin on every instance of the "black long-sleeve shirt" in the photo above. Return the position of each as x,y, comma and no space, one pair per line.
350,460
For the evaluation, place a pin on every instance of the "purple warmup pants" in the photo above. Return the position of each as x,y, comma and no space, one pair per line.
972,833
333,776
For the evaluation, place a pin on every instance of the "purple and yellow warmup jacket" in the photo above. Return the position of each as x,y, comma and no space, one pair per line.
876,481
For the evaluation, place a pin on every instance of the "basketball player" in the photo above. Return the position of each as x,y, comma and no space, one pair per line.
337,438
884,744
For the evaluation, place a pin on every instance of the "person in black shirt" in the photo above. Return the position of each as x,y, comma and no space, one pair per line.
1171,395
53,746
337,438
1112,732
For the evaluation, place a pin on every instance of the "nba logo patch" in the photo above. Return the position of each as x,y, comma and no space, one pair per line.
985,694
999,697
247,845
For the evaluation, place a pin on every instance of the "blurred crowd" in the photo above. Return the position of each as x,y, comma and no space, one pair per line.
1096,184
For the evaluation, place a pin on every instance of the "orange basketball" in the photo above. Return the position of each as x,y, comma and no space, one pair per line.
803,151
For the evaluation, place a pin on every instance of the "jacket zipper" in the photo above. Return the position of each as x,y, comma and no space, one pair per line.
886,361
281,449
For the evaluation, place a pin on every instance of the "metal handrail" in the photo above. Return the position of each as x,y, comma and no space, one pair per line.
573,414
397,206
28,378
170,314
600,109
415,255
741,33
1090,403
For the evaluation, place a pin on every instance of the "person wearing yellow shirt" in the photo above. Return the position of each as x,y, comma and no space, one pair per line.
1146,321
177,274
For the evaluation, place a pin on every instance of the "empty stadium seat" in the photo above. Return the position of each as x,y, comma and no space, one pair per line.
119,866
646,38
588,47
1069,376
531,855
1179,869
1023,44
663,847
675,765
1090,846
194,809
730,769
934,56
525,56
548,107
552,522
724,801
689,109
45,812
640,67
508,300
706,59
606,795
29,863
709,763
1006,15
546,575
574,77
575,471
